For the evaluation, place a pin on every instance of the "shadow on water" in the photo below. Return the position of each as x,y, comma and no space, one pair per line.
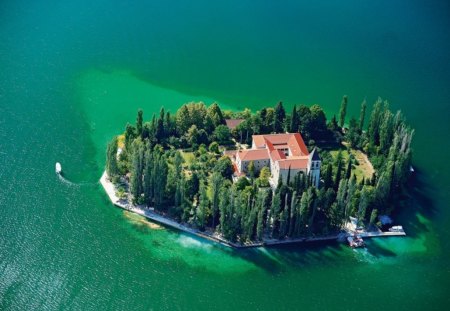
418,201
275,259
378,251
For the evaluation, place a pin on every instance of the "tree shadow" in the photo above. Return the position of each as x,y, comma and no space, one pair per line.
418,200
276,259
378,251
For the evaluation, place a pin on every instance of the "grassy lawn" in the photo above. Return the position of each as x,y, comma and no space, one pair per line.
363,168
188,157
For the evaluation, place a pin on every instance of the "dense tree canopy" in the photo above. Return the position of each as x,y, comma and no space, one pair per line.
195,186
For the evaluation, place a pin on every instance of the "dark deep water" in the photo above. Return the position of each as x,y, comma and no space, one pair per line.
72,73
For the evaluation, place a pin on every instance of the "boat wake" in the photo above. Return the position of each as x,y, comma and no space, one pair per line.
66,181
59,173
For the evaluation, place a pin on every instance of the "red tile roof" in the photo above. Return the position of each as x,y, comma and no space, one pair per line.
253,154
277,155
297,145
294,164
232,123
293,141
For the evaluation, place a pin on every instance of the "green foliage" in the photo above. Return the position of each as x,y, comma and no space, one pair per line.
318,120
224,167
242,183
222,134
215,113
214,147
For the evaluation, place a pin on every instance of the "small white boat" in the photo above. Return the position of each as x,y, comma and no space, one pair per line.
396,229
58,168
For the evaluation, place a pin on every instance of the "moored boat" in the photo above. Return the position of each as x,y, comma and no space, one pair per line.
396,229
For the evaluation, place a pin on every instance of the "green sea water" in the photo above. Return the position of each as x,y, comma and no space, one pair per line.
73,73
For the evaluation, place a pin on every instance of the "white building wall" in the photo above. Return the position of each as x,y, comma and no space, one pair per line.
285,172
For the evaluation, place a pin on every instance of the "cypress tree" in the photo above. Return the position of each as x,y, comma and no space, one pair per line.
343,111
137,169
374,123
216,185
338,170
139,122
294,120
328,180
130,135
280,116
160,126
292,208
112,168
362,114
348,171
363,203
288,179
275,214
373,216
202,210
148,178
386,131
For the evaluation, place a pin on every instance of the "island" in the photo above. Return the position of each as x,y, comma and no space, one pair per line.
247,179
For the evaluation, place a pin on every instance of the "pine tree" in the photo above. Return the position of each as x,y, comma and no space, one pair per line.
216,115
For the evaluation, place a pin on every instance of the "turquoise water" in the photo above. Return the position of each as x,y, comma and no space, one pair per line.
73,73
